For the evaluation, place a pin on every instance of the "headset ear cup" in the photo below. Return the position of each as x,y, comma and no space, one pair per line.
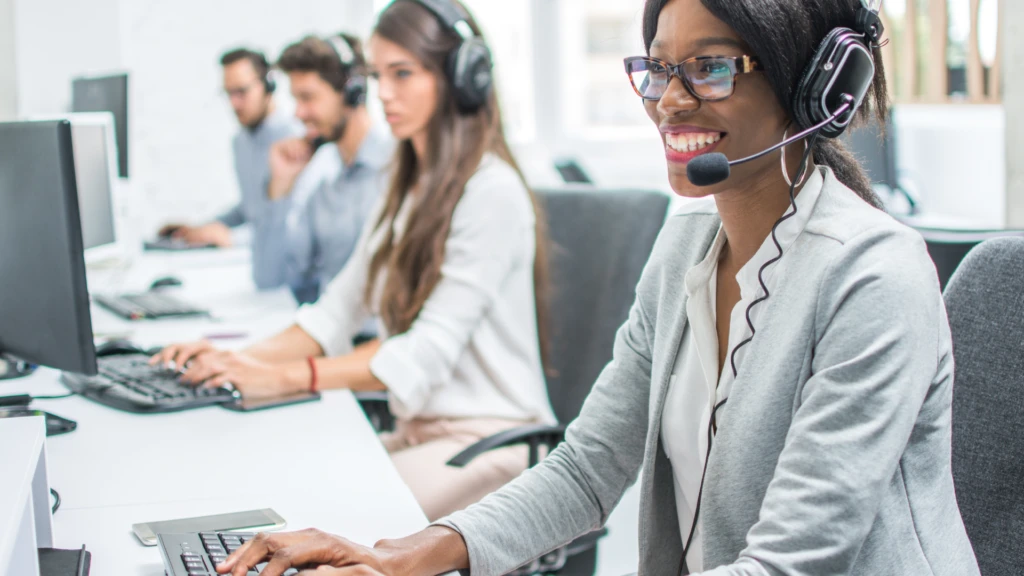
355,91
804,111
269,84
843,66
470,73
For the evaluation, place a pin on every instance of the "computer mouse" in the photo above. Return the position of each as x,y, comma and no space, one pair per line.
165,282
118,347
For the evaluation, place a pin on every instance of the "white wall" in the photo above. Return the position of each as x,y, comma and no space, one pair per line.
57,40
180,123
1013,95
8,86
956,156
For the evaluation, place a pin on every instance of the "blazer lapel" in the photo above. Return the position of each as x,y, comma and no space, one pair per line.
660,541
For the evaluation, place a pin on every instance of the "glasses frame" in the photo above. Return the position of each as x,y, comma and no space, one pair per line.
737,65
243,91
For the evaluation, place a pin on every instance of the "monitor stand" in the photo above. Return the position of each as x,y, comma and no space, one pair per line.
11,368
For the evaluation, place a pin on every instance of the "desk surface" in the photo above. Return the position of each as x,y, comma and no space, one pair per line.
317,464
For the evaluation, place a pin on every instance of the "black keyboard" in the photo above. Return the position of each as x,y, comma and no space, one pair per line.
198,554
168,244
147,306
127,382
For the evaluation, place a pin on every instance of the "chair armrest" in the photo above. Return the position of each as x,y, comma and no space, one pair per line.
534,436
371,397
375,406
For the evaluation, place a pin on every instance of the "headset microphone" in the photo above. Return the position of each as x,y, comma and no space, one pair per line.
710,169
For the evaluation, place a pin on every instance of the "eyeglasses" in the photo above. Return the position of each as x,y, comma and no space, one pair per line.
241,91
708,78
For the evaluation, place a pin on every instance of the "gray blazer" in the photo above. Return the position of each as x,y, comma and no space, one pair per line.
833,453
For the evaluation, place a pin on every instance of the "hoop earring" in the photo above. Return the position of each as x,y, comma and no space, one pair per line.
785,171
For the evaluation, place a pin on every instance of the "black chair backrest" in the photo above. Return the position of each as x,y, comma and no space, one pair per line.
985,300
948,247
600,242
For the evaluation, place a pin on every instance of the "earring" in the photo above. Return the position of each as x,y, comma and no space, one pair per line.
785,169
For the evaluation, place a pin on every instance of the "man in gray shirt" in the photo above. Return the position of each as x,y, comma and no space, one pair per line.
349,171
250,90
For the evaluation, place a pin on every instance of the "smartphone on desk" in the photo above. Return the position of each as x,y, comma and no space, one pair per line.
252,520
253,404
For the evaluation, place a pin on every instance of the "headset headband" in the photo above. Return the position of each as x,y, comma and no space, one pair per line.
343,49
451,15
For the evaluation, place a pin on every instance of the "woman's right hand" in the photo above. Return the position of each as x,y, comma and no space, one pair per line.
307,548
435,550
176,356
287,159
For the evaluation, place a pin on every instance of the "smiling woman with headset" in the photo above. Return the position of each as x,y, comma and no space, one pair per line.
784,379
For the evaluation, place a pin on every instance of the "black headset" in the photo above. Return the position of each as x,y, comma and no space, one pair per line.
469,67
354,90
260,61
842,68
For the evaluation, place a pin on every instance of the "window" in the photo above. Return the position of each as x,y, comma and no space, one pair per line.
596,36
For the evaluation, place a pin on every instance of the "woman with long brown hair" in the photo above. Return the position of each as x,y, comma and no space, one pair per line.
452,264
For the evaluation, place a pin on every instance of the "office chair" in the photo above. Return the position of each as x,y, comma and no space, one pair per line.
600,242
947,247
985,301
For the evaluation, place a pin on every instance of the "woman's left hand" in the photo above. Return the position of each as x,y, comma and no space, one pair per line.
252,378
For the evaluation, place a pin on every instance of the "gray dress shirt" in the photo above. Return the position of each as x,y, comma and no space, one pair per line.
266,217
323,231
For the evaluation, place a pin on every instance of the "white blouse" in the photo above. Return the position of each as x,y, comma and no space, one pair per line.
696,386
473,350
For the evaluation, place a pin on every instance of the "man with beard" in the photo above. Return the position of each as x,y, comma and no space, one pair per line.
328,81
250,90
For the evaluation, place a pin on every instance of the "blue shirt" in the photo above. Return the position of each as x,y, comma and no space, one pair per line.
322,233
266,217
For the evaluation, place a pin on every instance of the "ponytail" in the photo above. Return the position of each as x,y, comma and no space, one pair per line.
833,153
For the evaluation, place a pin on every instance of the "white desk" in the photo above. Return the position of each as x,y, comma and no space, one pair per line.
24,496
317,464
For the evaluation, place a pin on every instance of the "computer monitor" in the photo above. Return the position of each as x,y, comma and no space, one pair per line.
44,298
95,148
106,94
571,171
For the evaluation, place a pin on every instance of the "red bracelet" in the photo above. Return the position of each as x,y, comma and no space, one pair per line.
314,383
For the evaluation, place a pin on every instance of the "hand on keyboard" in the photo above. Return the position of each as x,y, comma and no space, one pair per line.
253,378
308,548
207,366
177,356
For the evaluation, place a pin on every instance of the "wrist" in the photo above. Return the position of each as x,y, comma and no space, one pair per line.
435,550
296,376
279,188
